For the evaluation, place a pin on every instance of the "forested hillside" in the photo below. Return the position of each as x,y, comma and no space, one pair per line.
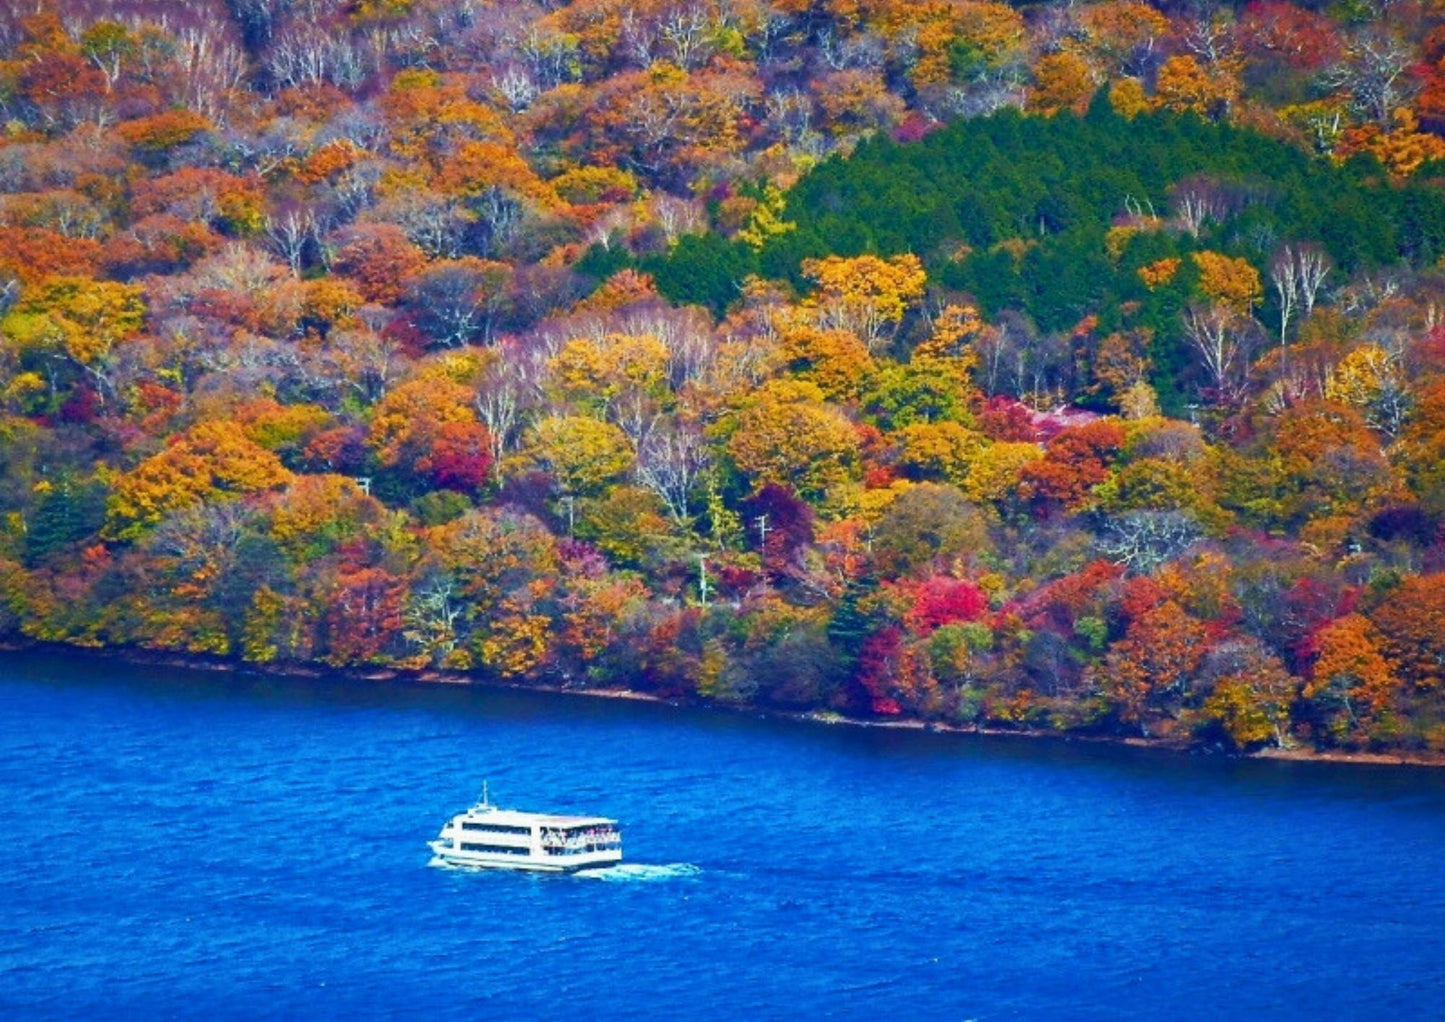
1072,367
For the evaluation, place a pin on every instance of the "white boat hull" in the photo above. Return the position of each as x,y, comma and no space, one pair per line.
481,860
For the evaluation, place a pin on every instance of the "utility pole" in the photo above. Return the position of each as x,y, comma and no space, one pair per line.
702,578
761,521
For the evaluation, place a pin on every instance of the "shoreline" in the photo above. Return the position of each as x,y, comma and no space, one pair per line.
433,676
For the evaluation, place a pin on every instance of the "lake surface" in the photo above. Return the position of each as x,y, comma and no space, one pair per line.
192,845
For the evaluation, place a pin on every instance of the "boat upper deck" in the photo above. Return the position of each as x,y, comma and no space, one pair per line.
518,818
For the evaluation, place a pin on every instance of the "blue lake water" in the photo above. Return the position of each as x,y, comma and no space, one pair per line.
193,845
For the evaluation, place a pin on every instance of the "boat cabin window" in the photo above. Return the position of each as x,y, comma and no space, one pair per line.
473,846
494,828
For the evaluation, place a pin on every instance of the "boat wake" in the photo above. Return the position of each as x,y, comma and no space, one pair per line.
636,872
627,872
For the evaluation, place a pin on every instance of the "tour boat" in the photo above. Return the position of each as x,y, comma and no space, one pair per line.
487,835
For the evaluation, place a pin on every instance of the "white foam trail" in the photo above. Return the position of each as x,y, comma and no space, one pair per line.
623,873
638,871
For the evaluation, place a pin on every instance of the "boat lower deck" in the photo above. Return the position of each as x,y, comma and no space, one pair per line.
550,864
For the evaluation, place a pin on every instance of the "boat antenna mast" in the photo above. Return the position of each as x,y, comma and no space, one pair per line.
485,800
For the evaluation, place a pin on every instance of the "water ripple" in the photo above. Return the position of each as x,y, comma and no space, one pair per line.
179,846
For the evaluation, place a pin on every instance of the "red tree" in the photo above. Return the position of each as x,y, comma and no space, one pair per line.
460,457
877,668
365,615
941,600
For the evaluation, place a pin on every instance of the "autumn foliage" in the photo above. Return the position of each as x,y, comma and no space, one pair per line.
1073,369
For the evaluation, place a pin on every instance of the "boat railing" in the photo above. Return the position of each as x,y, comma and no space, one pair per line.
599,840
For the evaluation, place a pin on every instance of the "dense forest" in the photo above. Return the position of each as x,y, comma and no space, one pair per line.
1062,367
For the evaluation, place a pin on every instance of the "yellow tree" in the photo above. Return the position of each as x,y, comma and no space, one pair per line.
1158,273
1184,84
630,524
583,454
285,429
278,627
317,512
1128,98
1227,281
1252,694
80,320
949,38
836,360
429,112
937,450
955,330
864,294
1115,31
491,557
1403,149
766,221
993,473
1371,380
786,434
612,370
856,101
991,34
212,461
408,419
478,166
513,644
1062,81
